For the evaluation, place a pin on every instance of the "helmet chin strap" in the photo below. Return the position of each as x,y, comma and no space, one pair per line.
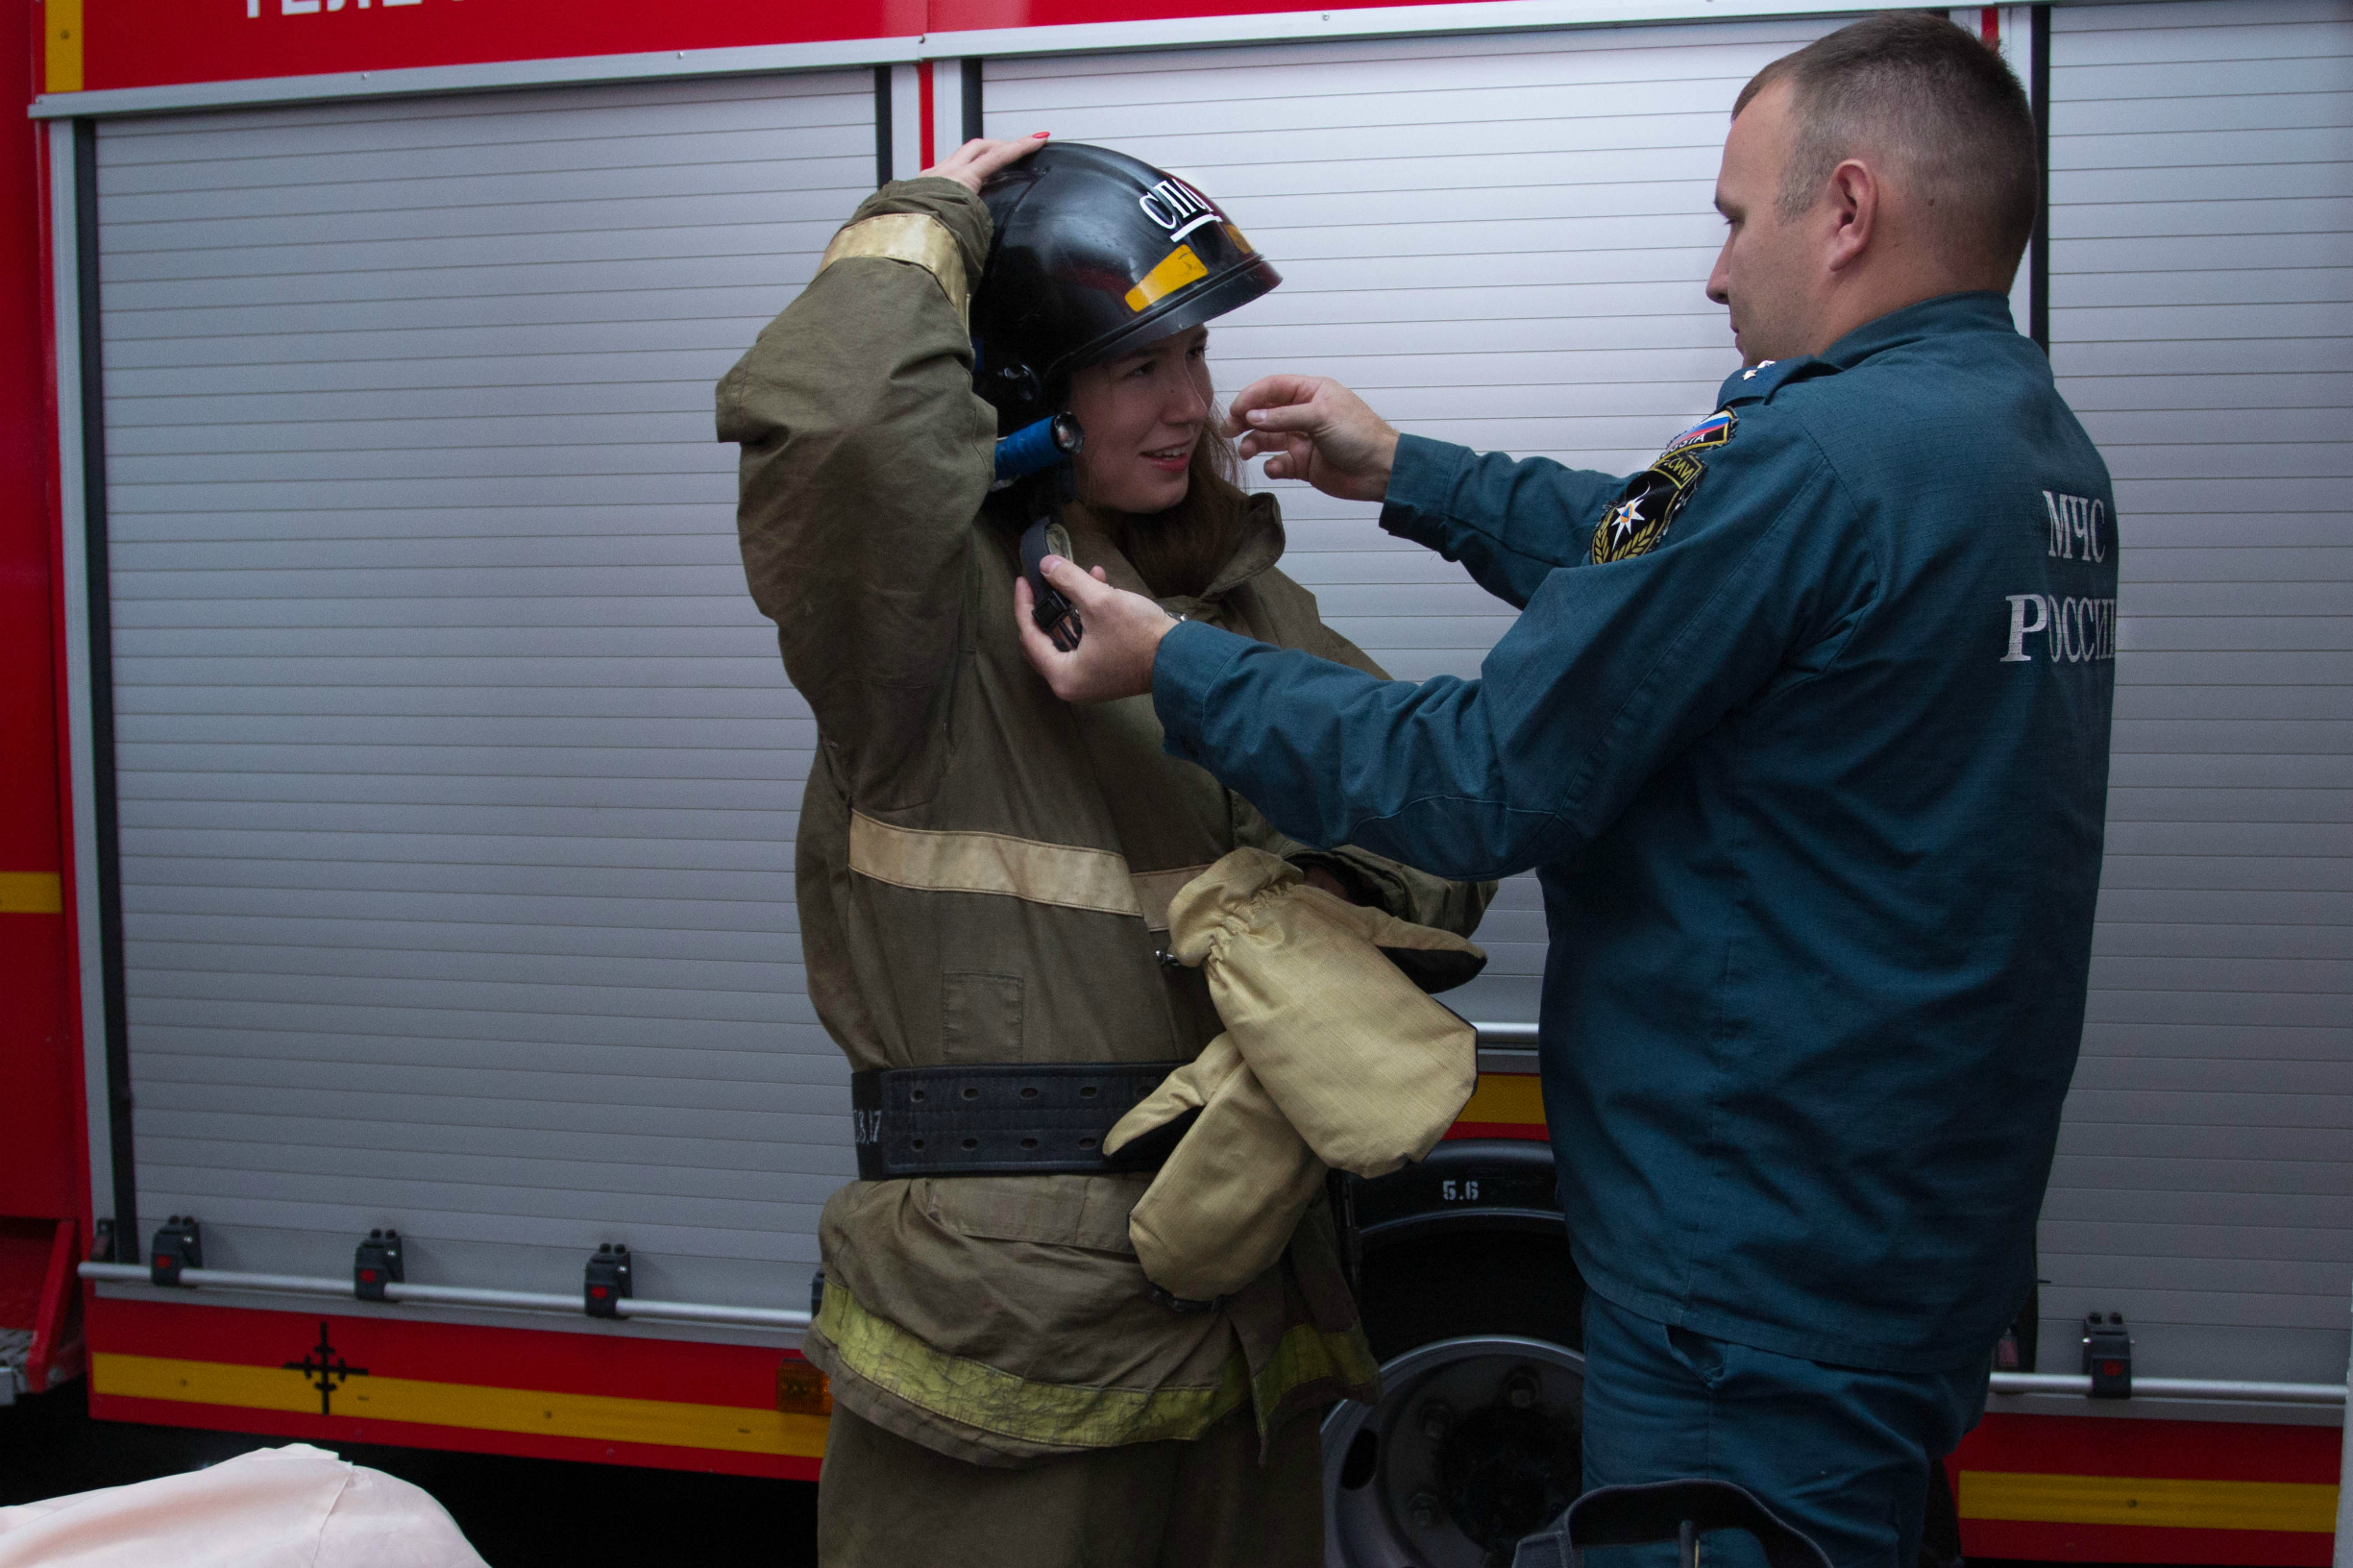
1044,452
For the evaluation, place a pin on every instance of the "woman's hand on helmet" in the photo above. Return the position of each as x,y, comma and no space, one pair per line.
1113,657
1312,428
971,164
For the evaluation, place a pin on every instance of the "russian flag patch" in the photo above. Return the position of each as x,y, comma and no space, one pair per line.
1712,431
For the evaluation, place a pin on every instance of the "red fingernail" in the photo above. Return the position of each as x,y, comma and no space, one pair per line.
1040,136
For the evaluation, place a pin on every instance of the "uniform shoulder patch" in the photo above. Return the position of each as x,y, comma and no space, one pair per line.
1712,431
1652,498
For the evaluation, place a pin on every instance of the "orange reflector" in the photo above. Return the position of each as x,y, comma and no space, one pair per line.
802,1390
1177,268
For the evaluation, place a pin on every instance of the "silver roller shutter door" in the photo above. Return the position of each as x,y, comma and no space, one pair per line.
458,772
1500,240
2201,285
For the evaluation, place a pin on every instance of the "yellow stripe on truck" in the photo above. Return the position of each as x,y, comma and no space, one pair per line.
1506,1098
2140,1500
31,892
594,1417
62,46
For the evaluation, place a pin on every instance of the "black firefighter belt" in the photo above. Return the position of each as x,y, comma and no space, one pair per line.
1040,1120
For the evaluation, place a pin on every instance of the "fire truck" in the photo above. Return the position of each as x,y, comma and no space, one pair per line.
406,1038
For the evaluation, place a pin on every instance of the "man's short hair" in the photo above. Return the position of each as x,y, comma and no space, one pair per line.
1916,86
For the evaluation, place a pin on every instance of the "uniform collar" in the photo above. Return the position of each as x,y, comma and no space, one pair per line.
1260,547
1978,310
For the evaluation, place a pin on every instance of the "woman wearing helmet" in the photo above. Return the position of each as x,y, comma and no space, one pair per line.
983,872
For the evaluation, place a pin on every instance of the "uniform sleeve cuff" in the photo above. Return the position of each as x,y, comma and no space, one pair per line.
1192,659
1421,483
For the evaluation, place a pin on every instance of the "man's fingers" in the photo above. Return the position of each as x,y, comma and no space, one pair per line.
1080,588
1123,632
1289,464
1287,456
1307,418
1044,656
1269,392
1259,443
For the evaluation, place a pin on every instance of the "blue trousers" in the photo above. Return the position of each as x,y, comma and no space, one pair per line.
1840,1452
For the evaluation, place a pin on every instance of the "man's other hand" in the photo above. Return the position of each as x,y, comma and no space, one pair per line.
1312,428
1120,636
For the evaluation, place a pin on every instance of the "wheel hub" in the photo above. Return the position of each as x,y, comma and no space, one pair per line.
1476,1443
1504,1473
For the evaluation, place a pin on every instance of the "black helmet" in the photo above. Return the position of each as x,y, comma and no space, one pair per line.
1096,254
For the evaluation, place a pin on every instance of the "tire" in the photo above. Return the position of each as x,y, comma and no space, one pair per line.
1477,1438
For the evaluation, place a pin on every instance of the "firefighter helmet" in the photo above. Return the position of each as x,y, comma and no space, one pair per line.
1096,254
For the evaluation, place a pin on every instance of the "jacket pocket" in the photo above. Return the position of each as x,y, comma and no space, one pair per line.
1702,1355
1086,1211
980,1018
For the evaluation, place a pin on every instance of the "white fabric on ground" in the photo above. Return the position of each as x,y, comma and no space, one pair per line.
296,1507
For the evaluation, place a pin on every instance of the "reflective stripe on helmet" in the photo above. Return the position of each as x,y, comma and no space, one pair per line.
1176,269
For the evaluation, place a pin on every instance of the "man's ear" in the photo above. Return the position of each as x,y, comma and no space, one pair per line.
1855,210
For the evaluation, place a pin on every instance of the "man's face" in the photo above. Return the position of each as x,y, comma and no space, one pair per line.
1769,267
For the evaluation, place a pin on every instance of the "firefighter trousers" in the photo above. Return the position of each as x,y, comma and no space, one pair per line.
885,1502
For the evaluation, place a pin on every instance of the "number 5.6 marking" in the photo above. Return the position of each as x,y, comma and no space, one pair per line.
1459,1191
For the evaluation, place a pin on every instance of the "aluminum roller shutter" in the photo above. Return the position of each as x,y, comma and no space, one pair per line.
1501,240
458,772
2201,285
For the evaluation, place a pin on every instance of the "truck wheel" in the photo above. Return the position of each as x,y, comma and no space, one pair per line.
1476,1439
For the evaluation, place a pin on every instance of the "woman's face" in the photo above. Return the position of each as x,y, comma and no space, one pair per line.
1143,413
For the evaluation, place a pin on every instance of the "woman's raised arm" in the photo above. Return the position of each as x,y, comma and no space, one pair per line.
867,454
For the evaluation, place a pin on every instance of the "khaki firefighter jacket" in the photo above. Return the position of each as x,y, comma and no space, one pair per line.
984,873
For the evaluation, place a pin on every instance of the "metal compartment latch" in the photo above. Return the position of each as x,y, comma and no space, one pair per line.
376,1264
180,1244
607,1282
2107,1356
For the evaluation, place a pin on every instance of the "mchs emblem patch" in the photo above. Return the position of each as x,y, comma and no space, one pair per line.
1652,498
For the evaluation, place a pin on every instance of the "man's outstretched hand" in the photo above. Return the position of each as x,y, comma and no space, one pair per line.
1312,428
1115,653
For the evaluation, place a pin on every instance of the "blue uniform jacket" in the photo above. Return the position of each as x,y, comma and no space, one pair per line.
1805,730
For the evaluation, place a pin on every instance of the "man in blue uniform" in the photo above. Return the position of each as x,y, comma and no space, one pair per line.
1805,730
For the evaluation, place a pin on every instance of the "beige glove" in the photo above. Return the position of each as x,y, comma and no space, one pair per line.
1330,1050
1364,1065
1224,1205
